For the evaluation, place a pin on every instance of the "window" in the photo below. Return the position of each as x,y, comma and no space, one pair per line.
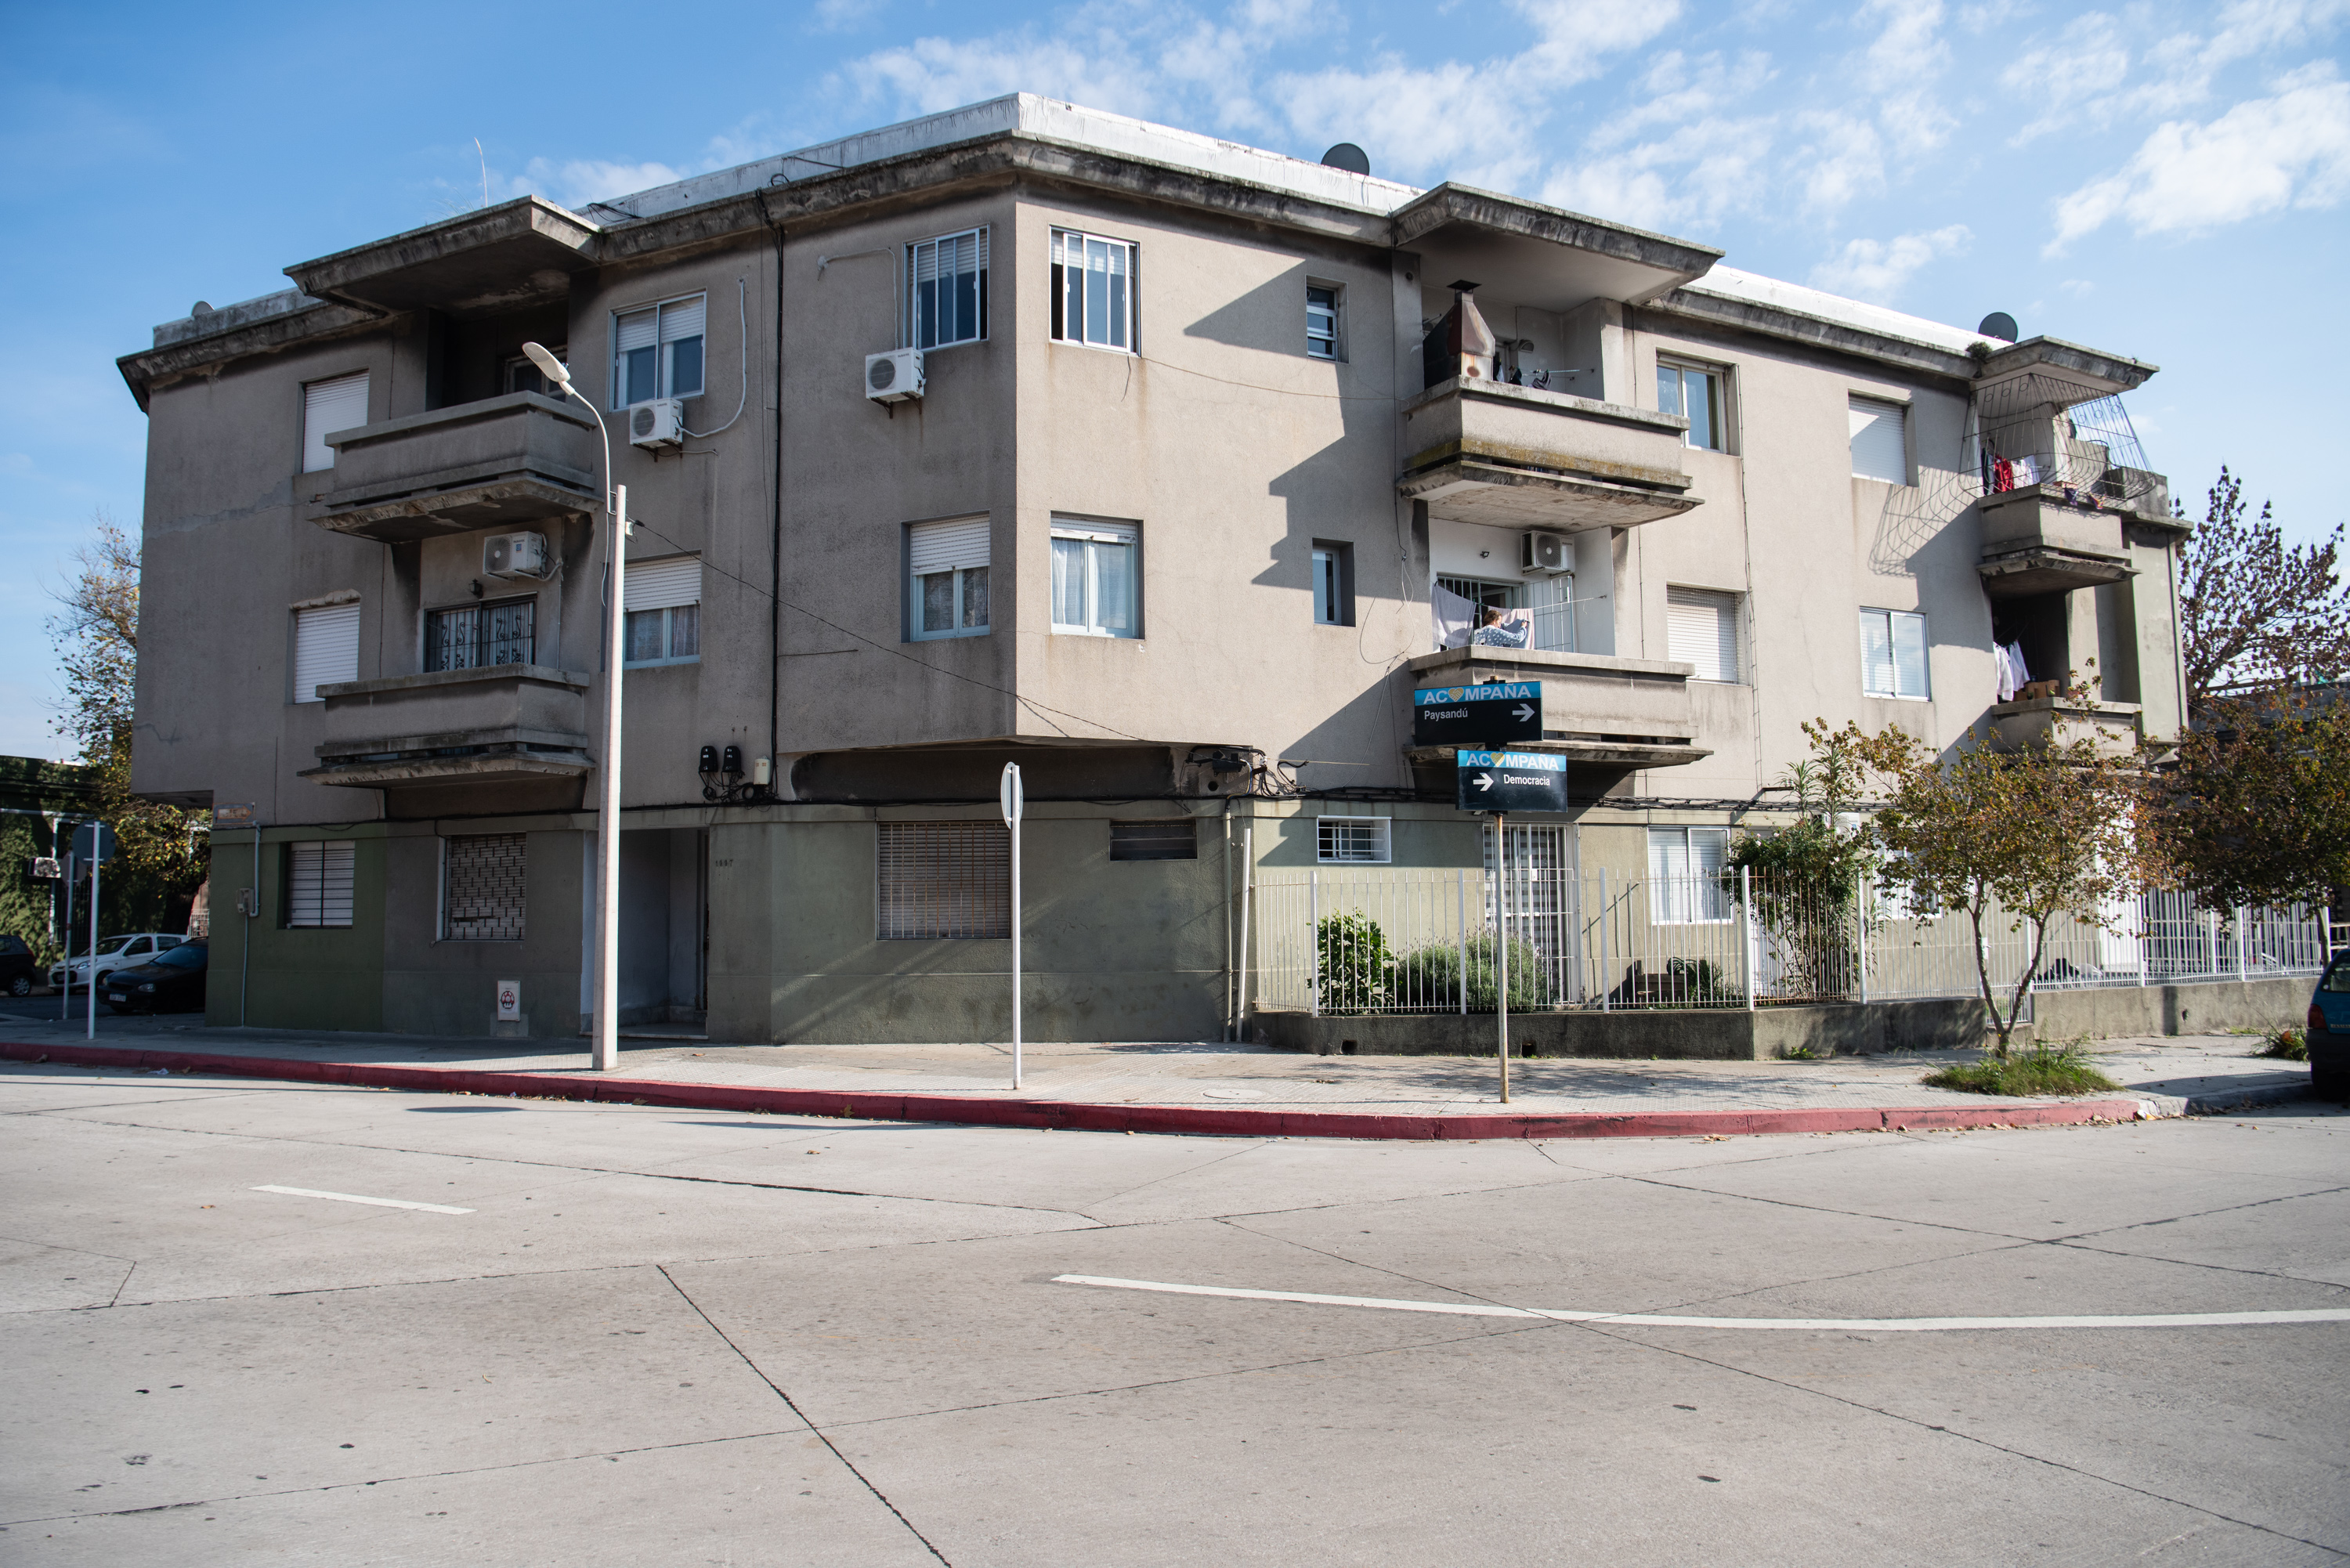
1095,577
946,564
521,376
1694,392
657,351
1334,582
1353,840
477,636
1685,866
943,880
948,278
1701,627
340,404
663,606
326,648
1321,321
1174,838
1892,654
319,883
1093,291
482,888
1881,448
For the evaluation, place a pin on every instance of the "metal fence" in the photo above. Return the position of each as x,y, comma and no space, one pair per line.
1390,940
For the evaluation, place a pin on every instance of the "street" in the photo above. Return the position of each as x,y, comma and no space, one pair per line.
254,1323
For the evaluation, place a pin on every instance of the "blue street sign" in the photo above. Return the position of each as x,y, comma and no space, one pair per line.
1499,712
1511,781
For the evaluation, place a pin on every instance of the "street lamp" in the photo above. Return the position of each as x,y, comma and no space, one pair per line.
605,1052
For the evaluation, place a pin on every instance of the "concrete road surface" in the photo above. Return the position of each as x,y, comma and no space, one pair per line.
257,1323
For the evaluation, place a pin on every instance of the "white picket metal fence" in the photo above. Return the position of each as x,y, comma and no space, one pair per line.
1345,940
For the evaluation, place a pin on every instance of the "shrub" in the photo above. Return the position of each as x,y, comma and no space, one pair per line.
2066,1070
1432,974
2290,1043
1355,963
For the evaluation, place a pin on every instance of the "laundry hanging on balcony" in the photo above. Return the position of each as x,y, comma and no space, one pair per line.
1451,616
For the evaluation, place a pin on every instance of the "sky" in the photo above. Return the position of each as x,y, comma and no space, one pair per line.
2163,179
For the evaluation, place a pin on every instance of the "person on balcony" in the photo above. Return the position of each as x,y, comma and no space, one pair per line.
1495,630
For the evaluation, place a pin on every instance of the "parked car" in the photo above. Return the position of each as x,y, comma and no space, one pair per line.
18,972
113,953
2329,1031
167,981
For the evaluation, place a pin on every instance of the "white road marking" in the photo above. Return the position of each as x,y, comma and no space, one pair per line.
355,1197
1665,1320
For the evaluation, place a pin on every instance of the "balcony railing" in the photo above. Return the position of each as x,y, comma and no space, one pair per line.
1515,457
514,460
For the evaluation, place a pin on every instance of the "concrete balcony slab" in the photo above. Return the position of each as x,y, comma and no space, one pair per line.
1617,716
516,460
2036,723
1514,457
519,731
2032,543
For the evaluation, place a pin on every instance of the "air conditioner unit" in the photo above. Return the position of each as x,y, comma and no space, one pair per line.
894,376
513,555
1545,552
658,424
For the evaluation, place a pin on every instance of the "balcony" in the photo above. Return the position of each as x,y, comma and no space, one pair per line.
1512,457
2034,724
516,460
1617,716
2035,543
520,730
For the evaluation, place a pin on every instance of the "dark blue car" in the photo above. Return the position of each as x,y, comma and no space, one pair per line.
2329,1031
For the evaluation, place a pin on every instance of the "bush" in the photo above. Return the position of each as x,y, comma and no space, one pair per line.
1355,963
2288,1043
1432,974
2066,1070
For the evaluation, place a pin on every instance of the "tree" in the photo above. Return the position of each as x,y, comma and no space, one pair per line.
2021,836
2257,808
1805,879
97,637
2254,610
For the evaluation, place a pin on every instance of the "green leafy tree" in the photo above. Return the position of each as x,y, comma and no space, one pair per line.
2254,612
1356,965
2257,808
1806,880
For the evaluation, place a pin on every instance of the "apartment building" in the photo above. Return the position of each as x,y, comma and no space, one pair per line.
1165,467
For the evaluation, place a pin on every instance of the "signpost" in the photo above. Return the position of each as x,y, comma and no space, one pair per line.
1488,715
92,842
1014,801
1502,783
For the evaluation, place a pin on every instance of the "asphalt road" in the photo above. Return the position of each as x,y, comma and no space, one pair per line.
637,1336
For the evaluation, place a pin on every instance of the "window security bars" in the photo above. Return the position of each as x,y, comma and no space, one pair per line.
478,637
1366,938
319,882
482,888
1546,605
943,880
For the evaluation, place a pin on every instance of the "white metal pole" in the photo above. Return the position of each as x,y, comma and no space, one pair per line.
249,913
1247,880
91,988
1314,942
64,996
1606,949
606,1056
2243,930
2326,928
1860,910
1746,929
1502,945
1015,953
1460,906
2142,899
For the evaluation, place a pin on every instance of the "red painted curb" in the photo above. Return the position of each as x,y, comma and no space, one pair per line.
1076,1115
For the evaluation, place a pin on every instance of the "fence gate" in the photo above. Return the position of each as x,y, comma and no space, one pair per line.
1538,904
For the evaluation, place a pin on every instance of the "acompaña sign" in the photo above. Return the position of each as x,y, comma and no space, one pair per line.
1492,714
1512,781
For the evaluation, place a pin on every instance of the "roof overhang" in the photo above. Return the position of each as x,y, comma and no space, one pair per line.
1541,256
516,254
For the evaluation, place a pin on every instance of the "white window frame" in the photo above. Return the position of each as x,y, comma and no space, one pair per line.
1717,381
1893,621
1682,898
960,568
1331,344
333,865
319,399
914,254
1118,334
1098,537
665,349
1858,406
671,620
1354,840
1717,600
1333,602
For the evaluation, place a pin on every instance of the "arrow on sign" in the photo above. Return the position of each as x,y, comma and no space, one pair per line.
1524,712
1483,781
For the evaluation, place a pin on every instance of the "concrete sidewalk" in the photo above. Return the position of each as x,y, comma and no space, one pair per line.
1199,1087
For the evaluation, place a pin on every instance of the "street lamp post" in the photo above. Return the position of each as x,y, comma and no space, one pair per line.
605,1052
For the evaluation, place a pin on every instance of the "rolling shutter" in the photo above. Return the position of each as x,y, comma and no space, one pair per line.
958,544
635,330
942,879
327,407
1879,447
684,318
325,649
318,879
1701,629
664,585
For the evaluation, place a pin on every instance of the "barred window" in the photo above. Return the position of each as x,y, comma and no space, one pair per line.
936,880
1172,838
1352,839
478,637
319,883
482,888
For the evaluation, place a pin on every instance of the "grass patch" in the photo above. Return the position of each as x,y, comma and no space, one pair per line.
2287,1044
2066,1070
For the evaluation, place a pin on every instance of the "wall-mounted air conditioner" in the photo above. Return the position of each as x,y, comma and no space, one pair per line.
658,424
513,555
894,376
1546,551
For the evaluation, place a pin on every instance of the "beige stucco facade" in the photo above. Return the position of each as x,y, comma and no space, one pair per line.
1228,451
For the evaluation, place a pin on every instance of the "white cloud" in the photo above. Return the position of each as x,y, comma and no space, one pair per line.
577,181
845,16
1876,269
2291,149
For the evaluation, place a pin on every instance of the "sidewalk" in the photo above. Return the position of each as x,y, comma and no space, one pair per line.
1196,1088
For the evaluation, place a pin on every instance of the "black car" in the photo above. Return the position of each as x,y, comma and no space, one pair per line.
175,979
18,973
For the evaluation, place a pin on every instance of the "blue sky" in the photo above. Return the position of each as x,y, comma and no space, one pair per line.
2164,179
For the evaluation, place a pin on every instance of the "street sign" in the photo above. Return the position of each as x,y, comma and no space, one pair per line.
1492,714
509,1000
93,841
1011,797
236,815
1512,781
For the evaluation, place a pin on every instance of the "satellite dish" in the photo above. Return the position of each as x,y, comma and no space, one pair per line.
1349,157
1999,324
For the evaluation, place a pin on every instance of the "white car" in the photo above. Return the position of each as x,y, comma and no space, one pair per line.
114,953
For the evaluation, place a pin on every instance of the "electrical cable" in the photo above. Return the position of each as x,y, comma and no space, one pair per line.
742,340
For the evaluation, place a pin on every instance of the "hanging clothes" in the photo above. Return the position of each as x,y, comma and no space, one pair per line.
2026,469
2012,675
2003,476
1510,631
1451,618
